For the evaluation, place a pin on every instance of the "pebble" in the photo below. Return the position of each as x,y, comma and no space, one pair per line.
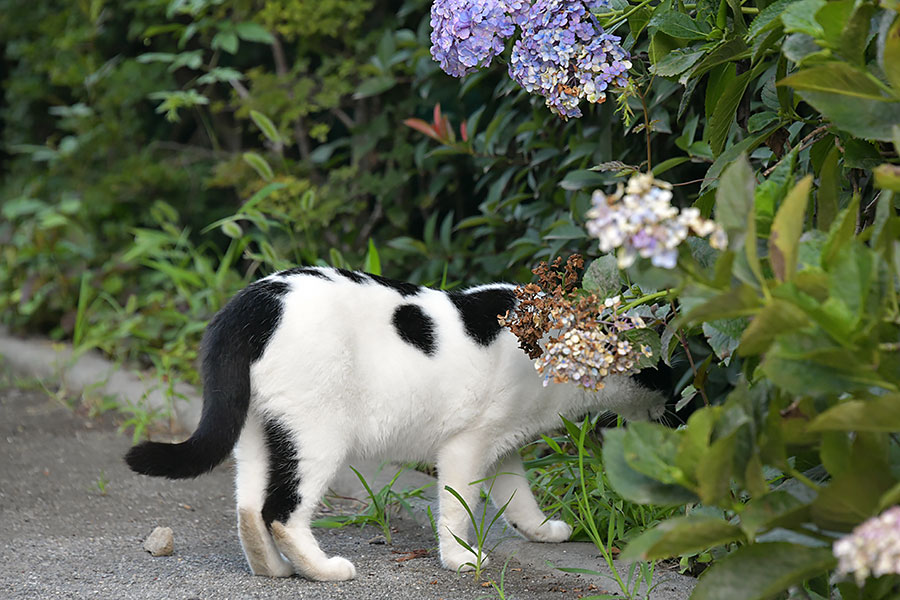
161,542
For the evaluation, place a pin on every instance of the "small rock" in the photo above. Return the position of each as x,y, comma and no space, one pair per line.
378,539
161,542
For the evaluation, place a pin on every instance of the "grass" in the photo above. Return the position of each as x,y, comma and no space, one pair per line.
378,509
482,527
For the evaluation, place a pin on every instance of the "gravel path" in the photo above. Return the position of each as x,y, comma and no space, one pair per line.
60,537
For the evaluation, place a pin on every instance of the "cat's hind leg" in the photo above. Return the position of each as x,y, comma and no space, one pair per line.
291,528
255,462
510,484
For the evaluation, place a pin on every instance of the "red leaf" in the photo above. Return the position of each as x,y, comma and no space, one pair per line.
423,127
437,119
464,131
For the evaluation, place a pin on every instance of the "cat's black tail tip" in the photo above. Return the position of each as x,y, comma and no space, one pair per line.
175,461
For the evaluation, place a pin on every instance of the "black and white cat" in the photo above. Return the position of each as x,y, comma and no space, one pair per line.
311,369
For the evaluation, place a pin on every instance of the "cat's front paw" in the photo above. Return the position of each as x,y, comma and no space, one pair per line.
460,560
336,568
550,531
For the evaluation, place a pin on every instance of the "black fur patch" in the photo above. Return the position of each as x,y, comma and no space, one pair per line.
479,311
235,338
257,315
402,287
415,327
304,271
282,495
353,276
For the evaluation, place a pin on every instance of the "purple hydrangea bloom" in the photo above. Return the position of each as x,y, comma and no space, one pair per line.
565,56
467,34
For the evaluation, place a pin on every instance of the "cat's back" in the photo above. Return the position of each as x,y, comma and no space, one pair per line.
361,317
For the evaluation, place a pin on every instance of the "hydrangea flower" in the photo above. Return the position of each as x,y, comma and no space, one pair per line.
467,34
872,549
565,56
590,346
641,221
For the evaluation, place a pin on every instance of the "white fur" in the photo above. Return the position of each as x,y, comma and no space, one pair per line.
339,378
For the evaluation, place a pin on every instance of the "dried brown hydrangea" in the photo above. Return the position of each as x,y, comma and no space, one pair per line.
587,342
531,319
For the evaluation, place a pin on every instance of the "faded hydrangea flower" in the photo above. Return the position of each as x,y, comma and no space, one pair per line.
641,221
872,549
467,34
565,56
590,345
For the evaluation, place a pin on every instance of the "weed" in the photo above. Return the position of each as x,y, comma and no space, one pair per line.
102,482
377,511
639,573
481,526
499,587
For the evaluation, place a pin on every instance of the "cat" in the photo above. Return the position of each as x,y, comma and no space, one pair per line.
313,368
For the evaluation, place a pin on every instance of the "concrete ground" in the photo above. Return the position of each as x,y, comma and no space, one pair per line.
62,537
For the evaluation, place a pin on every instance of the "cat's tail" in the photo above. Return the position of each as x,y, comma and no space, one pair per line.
235,338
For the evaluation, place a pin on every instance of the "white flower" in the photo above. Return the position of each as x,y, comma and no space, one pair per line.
872,549
641,221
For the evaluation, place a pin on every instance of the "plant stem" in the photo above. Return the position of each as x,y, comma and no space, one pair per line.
803,479
690,358
643,300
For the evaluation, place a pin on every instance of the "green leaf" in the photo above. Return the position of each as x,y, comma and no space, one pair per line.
602,277
734,199
731,154
786,230
800,17
891,57
776,318
254,32
679,25
374,86
259,165
372,263
677,62
680,536
775,509
650,449
829,192
852,42
833,17
232,230
645,337
768,18
881,413
759,571
226,40
843,230
266,125
583,178
633,485
887,177
715,468
862,117
726,107
724,335
853,496
836,78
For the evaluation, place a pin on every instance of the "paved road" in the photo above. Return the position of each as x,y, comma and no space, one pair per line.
61,538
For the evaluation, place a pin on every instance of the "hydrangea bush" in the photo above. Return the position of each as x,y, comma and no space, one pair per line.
562,53
795,293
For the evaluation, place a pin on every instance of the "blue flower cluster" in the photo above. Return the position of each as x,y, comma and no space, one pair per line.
467,34
563,54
